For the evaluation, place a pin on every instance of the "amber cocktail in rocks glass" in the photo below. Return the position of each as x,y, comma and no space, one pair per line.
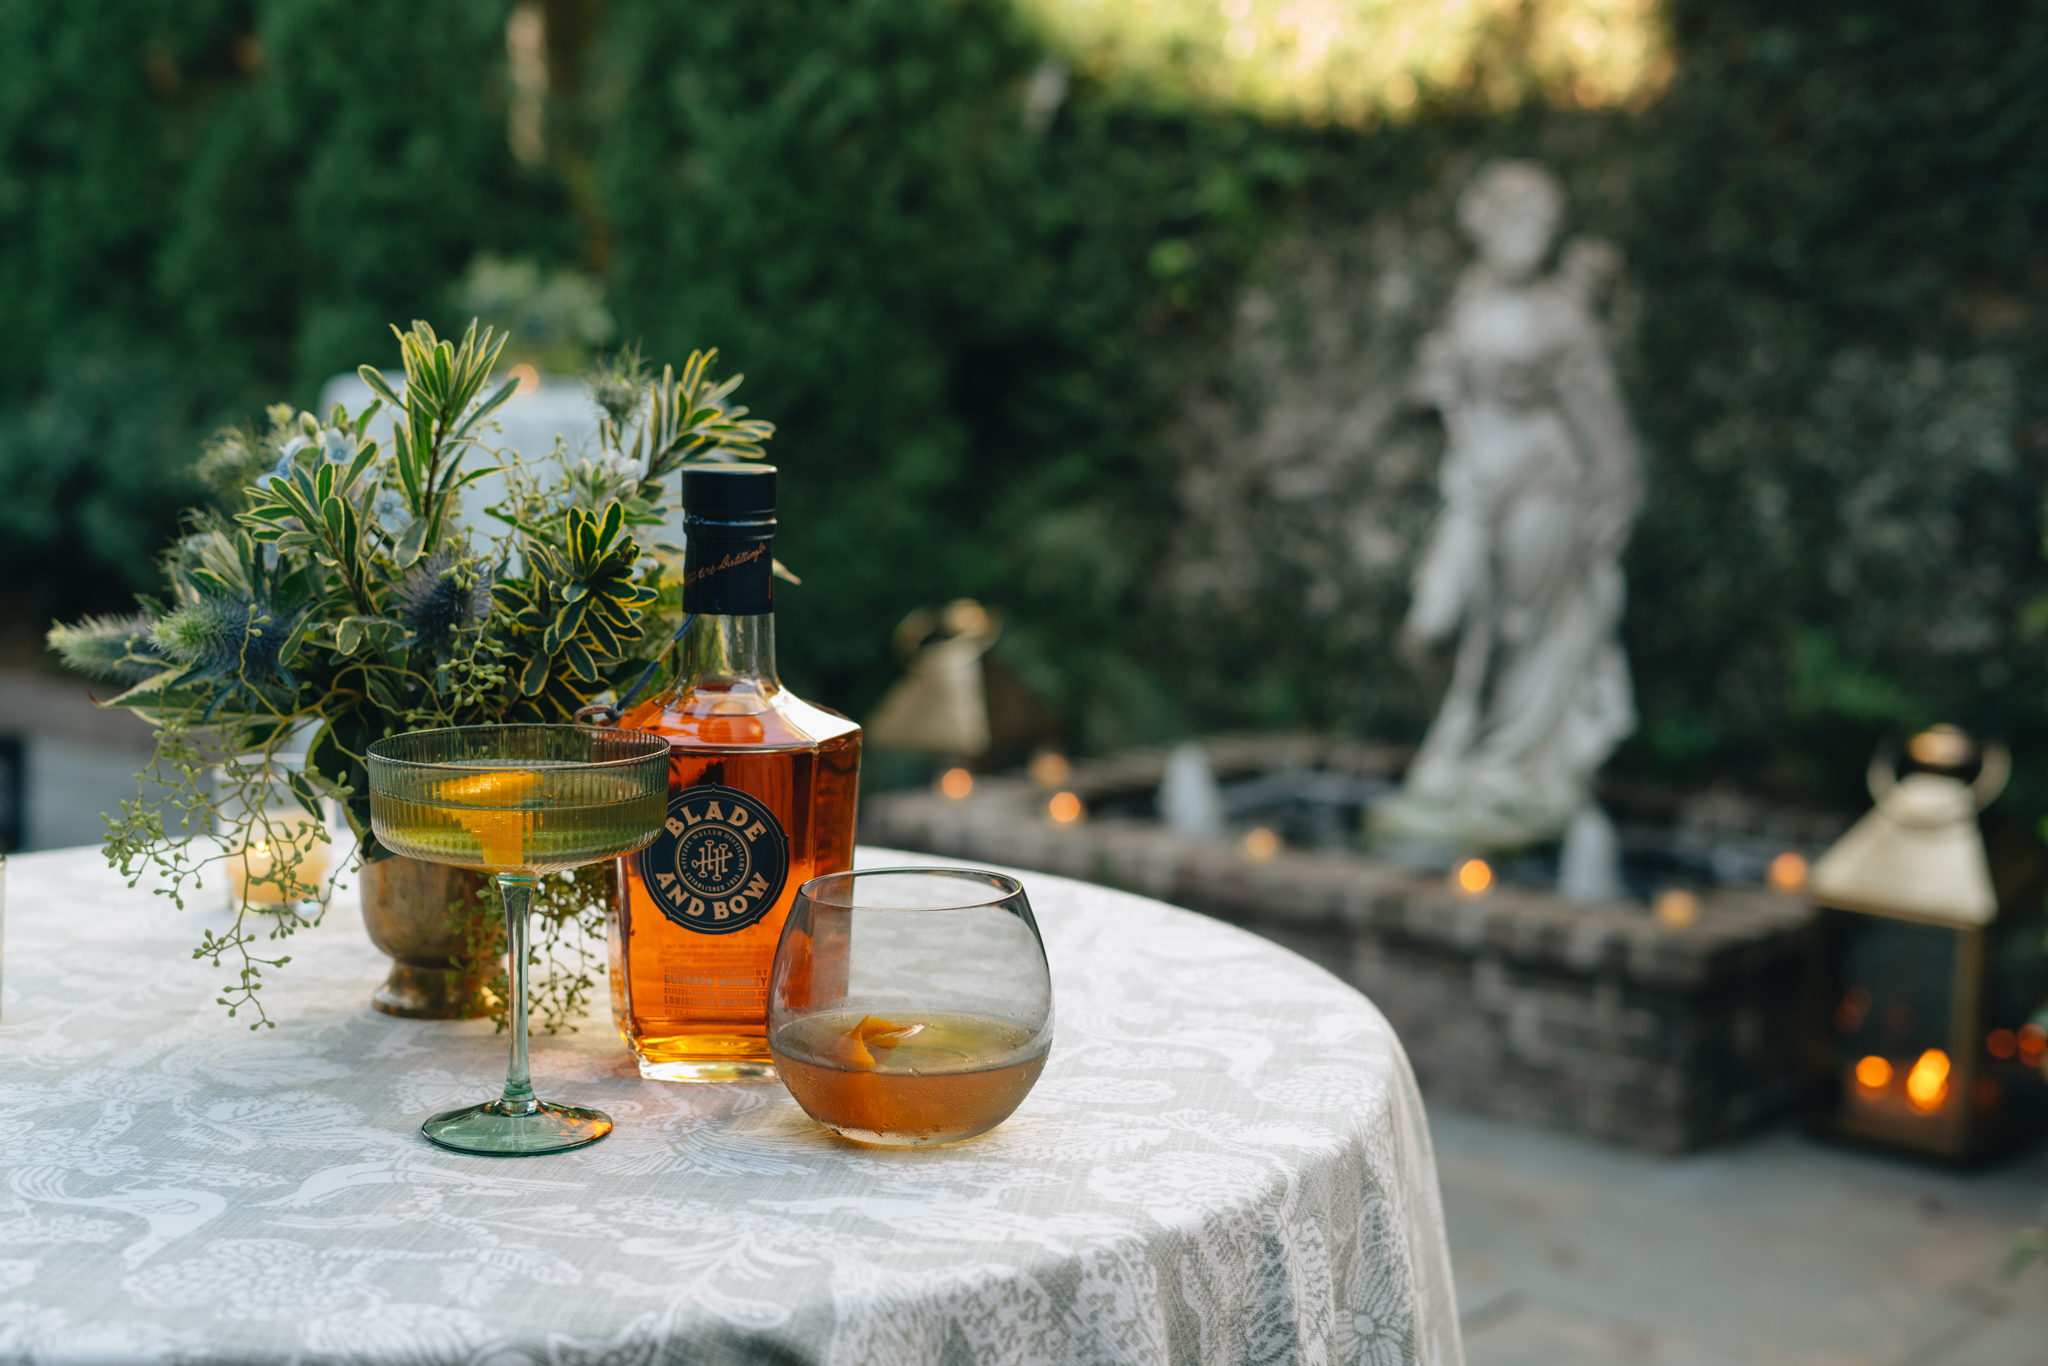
910,1007
520,802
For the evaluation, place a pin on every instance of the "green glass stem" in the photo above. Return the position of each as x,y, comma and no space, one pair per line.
517,889
516,1124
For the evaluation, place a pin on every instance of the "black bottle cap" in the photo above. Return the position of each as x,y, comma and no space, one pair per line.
729,493
729,522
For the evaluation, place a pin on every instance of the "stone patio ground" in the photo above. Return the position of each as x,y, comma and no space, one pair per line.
1775,1251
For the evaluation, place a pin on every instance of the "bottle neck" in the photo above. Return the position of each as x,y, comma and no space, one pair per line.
727,655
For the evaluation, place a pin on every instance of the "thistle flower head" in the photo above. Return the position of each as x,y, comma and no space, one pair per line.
618,384
224,637
115,648
442,594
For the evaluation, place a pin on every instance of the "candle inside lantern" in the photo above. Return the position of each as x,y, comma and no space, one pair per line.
1927,1083
278,865
1896,1096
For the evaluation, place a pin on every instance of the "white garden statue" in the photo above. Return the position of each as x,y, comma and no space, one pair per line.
1540,487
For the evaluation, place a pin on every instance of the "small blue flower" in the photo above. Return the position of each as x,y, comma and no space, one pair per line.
338,448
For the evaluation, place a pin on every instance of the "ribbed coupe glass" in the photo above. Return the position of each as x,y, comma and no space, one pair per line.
520,802
910,1007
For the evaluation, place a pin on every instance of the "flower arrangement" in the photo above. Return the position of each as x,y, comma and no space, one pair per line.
335,596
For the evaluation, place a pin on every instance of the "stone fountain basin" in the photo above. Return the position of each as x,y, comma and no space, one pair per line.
1593,1019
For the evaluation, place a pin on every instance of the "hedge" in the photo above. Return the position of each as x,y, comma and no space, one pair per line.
982,341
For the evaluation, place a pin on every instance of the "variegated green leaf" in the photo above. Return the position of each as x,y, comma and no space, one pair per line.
534,676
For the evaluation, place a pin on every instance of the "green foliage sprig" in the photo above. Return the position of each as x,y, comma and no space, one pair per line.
341,600
686,417
577,611
432,424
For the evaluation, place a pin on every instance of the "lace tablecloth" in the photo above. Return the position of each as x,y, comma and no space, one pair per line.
1224,1162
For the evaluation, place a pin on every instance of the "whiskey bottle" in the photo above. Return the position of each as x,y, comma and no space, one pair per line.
761,799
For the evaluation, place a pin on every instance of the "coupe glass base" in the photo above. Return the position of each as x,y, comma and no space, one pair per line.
493,1130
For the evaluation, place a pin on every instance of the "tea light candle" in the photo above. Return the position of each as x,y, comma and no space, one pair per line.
287,864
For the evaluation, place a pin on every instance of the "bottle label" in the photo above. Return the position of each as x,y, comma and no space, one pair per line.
729,571
720,860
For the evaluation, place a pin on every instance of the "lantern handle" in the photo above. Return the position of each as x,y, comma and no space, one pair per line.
1994,769
1992,772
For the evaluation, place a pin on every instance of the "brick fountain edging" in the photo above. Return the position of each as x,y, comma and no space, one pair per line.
1593,1020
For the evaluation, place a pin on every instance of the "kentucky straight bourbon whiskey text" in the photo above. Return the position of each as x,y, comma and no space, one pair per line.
761,799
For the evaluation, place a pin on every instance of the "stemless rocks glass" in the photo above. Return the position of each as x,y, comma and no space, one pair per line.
521,802
910,1006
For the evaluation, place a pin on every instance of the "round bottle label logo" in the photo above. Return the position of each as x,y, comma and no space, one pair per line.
720,860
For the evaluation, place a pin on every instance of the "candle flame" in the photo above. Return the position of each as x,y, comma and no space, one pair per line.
1787,872
1472,877
1050,768
1939,747
1677,909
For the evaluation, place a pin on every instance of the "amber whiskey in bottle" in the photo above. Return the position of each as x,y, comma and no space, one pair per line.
761,799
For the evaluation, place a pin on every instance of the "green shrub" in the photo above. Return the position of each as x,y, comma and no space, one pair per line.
221,204
983,343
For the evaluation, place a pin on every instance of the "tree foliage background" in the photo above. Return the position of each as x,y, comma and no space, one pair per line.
996,342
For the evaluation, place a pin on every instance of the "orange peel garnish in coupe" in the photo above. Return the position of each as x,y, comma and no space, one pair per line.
500,834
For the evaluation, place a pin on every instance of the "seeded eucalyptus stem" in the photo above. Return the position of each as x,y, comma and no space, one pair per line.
564,964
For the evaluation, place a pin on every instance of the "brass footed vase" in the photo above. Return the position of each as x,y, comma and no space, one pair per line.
409,910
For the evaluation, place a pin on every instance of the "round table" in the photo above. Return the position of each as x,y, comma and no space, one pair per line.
1225,1161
